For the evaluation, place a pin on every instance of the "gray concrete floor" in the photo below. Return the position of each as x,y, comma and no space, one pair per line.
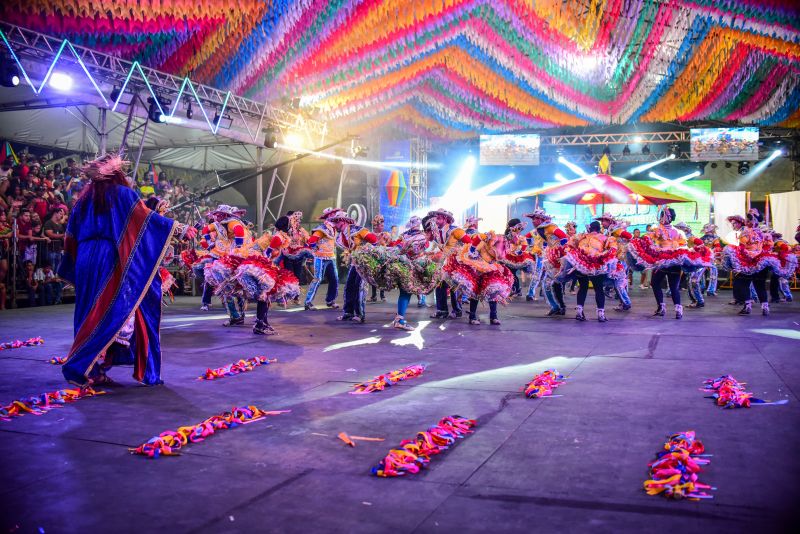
567,464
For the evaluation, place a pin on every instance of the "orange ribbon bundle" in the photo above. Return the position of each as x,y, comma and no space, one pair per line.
169,442
58,360
32,342
543,384
674,471
416,453
242,366
381,382
43,403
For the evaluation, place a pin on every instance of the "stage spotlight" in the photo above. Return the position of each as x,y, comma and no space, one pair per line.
217,118
155,111
116,92
744,167
646,150
626,151
271,139
61,81
713,164
293,139
606,151
9,74
728,165
674,151
588,152
637,138
189,111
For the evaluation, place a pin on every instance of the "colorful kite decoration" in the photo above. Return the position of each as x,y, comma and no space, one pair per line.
730,393
32,342
396,188
673,473
170,442
450,69
381,382
41,404
414,454
543,384
242,366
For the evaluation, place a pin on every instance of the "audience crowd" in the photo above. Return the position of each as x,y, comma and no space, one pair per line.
39,195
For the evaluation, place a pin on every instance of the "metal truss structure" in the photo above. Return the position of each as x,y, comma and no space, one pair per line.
167,91
418,173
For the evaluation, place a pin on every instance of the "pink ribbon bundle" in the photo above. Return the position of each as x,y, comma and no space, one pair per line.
674,471
414,454
32,342
41,404
381,382
242,366
543,384
58,360
728,392
169,442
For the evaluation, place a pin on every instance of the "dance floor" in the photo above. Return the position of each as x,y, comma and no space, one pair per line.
572,462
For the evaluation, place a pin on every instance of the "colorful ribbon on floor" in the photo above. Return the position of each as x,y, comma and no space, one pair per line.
674,471
169,442
730,393
543,384
18,344
41,404
381,382
242,366
58,360
414,454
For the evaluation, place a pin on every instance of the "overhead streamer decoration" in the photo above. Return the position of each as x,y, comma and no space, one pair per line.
499,66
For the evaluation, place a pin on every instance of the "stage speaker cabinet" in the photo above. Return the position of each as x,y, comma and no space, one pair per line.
358,212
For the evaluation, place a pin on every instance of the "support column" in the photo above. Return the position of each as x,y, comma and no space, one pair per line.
103,132
260,190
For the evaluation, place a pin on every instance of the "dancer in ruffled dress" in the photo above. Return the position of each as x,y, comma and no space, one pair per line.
593,256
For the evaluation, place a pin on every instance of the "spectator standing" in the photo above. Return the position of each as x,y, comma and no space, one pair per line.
32,286
54,230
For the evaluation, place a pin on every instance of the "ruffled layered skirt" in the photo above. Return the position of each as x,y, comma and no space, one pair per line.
260,279
477,279
645,254
522,261
737,259
387,268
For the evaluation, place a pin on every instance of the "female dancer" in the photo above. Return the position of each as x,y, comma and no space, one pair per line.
664,250
517,258
750,261
262,280
296,253
592,255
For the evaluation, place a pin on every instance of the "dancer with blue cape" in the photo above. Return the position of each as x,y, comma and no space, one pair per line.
113,251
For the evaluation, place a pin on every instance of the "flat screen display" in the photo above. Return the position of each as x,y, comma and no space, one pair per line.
731,144
516,149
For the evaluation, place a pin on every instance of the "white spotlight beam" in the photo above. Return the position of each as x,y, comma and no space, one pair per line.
574,168
760,166
388,165
560,177
640,168
679,185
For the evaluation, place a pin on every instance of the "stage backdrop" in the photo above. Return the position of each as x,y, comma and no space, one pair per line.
785,213
725,205
395,198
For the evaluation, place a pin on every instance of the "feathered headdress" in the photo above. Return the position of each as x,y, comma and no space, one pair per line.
106,167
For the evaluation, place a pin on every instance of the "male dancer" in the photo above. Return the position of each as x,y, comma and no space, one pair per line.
384,240
349,237
449,238
323,247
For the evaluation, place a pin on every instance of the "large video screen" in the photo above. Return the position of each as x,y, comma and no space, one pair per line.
733,144
522,149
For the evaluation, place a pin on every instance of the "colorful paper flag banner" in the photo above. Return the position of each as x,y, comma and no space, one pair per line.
18,344
41,404
543,384
414,454
242,366
674,472
170,442
381,382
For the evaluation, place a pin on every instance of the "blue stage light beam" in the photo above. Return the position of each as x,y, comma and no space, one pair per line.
759,167
574,168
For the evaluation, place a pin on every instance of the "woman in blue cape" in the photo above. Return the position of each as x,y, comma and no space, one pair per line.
112,253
